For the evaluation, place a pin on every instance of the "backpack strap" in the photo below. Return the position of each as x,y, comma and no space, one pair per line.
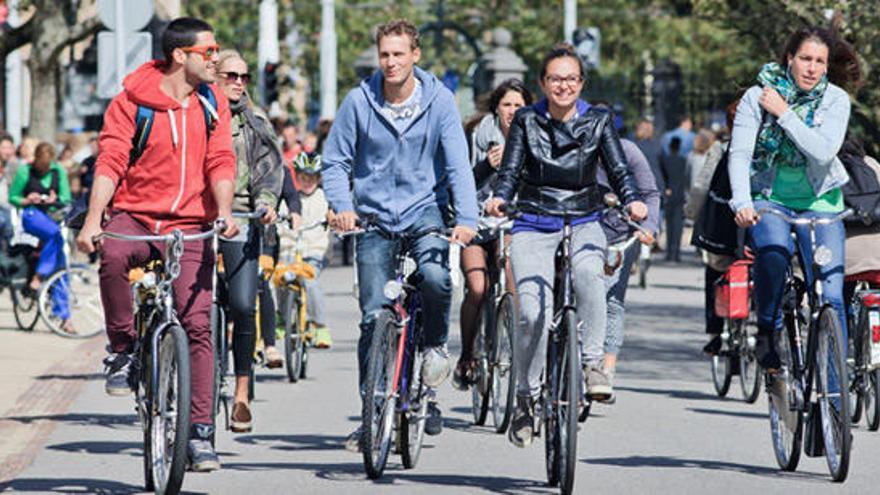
209,105
143,123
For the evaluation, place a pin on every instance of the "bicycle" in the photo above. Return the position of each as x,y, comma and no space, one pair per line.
290,280
161,375
735,302
494,380
219,332
821,365
395,397
644,265
864,363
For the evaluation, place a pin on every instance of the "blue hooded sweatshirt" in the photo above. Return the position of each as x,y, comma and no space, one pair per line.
397,175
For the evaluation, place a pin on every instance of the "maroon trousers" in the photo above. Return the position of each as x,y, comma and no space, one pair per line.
192,301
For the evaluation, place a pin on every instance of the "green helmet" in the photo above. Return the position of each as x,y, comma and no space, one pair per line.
308,163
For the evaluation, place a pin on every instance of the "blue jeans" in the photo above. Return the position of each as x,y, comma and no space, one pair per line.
41,226
616,285
376,253
774,247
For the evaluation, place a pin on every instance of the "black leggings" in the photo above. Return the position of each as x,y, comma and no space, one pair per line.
241,263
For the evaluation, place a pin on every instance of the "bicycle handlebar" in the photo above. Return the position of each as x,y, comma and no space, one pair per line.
250,215
219,226
807,221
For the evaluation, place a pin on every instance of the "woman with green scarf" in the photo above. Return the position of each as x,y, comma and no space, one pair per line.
783,156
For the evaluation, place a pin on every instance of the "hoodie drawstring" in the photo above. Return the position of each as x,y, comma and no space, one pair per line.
173,127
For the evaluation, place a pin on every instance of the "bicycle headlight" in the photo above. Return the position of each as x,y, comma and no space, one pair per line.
392,289
822,256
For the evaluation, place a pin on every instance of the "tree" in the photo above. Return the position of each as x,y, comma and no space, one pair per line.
49,32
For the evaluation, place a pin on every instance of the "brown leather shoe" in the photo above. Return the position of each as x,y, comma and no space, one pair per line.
242,419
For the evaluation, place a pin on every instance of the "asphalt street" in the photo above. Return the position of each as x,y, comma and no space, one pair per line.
667,433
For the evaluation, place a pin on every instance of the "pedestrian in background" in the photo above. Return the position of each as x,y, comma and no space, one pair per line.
674,170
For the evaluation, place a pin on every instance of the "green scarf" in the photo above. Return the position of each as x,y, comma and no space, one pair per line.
774,148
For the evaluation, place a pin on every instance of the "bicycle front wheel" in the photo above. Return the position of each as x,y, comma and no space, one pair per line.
24,307
167,430
569,404
503,385
722,371
832,393
380,396
72,294
480,389
293,341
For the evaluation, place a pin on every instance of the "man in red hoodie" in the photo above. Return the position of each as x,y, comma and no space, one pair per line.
184,179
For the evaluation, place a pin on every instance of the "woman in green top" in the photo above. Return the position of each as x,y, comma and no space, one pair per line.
783,156
41,188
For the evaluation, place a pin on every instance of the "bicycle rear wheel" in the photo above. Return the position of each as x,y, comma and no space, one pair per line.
167,430
502,364
71,293
749,369
786,425
380,398
24,307
412,421
481,388
832,393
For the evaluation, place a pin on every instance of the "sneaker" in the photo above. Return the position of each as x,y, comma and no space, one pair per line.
434,420
118,367
713,347
273,357
598,384
611,398
242,419
522,425
435,365
322,337
462,375
353,441
200,450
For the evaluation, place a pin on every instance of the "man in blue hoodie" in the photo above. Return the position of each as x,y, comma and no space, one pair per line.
399,137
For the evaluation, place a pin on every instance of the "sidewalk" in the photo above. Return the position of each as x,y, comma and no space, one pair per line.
40,375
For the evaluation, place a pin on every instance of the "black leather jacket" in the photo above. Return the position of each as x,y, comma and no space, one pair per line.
551,165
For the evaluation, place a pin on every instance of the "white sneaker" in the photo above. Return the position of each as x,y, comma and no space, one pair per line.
435,366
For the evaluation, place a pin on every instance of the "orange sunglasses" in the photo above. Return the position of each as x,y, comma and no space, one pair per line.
206,51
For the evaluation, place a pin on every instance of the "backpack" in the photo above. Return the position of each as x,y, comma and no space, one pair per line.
144,121
143,125
862,192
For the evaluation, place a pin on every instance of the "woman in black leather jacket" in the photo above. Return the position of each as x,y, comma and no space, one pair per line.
553,149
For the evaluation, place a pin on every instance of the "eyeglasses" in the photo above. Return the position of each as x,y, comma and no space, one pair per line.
206,51
235,76
570,80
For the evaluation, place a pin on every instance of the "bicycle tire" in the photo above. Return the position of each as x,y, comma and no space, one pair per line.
829,356
217,323
749,369
481,388
412,422
856,371
786,426
503,376
86,311
170,409
379,406
643,273
722,372
872,400
548,410
292,335
569,405
25,308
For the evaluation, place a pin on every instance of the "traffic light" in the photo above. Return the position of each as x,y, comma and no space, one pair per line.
270,83
587,43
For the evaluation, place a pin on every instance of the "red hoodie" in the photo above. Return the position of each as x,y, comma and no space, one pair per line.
170,185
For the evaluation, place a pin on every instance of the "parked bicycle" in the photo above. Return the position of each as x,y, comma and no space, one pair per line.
864,355
161,373
494,379
812,352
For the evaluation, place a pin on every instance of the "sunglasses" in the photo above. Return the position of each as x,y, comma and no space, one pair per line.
206,51
245,78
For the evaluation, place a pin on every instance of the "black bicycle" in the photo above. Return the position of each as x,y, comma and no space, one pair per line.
812,352
161,372
494,379
864,356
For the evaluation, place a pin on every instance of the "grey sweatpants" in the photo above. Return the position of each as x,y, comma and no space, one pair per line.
531,255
